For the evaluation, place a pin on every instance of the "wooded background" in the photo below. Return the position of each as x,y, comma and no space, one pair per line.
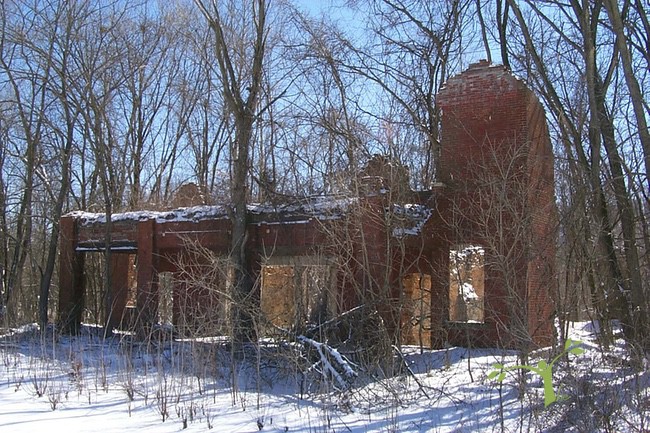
111,106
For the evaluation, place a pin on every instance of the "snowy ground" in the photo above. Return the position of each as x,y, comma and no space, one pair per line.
87,384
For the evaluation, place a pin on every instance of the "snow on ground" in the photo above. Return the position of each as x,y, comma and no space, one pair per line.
88,384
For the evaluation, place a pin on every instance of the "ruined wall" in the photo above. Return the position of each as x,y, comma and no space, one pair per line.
497,166
387,255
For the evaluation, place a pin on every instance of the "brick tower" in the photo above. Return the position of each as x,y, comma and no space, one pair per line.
497,165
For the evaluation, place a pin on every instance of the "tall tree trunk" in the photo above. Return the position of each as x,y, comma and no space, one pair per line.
46,278
244,111
601,131
591,166
4,229
502,23
636,327
636,95
31,116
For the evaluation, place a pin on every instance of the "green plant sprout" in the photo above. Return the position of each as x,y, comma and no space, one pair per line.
544,369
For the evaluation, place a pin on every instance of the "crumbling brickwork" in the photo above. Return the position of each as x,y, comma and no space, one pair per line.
497,166
389,247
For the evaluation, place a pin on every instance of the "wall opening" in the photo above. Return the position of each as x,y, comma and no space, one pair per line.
297,291
416,309
132,281
127,321
166,297
112,304
94,294
466,283
202,293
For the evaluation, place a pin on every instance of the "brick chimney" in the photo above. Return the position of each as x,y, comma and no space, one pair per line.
493,124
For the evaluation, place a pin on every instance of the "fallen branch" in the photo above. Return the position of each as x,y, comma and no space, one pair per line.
410,372
344,375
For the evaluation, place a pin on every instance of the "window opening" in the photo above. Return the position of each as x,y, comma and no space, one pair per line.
166,297
132,281
416,310
277,297
466,283
296,291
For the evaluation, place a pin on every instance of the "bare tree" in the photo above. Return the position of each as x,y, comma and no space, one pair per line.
63,28
616,19
26,84
586,112
149,72
415,49
240,58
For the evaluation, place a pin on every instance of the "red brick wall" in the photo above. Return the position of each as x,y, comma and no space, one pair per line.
542,284
494,139
121,231
490,121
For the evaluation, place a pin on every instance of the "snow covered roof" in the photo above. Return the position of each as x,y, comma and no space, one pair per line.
195,213
412,218
409,218
320,207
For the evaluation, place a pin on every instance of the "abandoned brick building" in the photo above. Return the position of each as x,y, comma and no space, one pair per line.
469,261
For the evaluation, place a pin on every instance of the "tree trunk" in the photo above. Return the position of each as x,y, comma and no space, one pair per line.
636,96
46,278
601,129
242,282
244,113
